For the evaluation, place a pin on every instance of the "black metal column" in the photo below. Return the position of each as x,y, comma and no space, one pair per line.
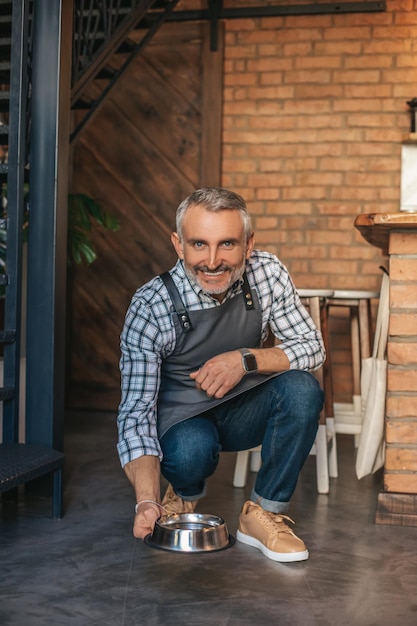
15,192
49,152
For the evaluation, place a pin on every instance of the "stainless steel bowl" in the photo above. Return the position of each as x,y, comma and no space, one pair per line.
190,532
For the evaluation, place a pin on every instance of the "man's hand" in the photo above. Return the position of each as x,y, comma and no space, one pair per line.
144,474
145,519
220,374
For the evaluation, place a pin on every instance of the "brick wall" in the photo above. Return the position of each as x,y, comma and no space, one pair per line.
314,116
400,474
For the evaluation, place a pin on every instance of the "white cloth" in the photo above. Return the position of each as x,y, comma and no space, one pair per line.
371,449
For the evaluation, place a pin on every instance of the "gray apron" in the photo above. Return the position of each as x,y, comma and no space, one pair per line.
200,335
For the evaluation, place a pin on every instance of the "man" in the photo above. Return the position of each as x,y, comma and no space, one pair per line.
196,381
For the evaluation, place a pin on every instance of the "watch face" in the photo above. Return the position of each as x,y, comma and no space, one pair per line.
250,363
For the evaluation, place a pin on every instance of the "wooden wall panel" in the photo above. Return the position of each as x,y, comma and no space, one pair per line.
139,156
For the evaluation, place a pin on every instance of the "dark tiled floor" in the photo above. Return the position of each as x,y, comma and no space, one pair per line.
87,569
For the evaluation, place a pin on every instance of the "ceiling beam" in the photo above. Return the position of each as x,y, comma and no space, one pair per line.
278,10
216,12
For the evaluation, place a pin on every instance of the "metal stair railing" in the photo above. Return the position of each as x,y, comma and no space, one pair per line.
92,49
15,102
19,462
100,26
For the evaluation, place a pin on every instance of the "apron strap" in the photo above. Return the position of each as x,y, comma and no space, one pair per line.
247,294
177,302
180,309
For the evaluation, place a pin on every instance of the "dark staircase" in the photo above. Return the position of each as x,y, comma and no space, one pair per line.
20,463
104,48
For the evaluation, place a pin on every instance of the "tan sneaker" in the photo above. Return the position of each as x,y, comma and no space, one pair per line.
175,504
269,533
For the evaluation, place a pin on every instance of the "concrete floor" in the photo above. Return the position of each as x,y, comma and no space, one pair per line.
87,569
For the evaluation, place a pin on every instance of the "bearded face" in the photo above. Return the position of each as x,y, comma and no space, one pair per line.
213,248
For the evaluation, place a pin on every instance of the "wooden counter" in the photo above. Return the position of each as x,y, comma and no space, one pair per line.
396,235
376,227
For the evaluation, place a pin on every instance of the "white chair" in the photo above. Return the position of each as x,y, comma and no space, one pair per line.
324,446
347,415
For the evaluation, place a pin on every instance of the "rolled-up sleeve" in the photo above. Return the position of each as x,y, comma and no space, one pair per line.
140,364
291,323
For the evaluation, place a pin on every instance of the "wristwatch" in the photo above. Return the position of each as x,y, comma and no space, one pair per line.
248,360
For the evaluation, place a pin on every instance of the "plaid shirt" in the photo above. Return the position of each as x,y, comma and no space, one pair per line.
148,337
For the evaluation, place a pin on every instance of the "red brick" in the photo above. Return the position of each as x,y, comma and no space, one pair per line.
405,60
401,379
367,119
295,165
378,149
402,353
368,179
402,76
406,18
356,104
290,34
352,77
240,78
398,406
404,269
403,296
297,251
401,432
318,76
271,78
283,122
271,151
372,61
298,49
394,32
369,91
266,223
340,47
400,483
272,193
256,36
241,24
240,52
400,459
304,21
275,93
403,243
330,90
304,62
268,64
238,165
299,208
264,180
346,33
394,47
403,324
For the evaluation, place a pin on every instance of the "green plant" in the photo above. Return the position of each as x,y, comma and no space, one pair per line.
83,211
83,214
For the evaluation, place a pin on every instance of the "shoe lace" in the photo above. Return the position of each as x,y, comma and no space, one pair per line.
275,521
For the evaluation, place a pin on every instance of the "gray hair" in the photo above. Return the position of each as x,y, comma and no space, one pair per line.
214,199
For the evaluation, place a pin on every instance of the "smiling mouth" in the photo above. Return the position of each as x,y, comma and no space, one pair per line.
214,273
219,271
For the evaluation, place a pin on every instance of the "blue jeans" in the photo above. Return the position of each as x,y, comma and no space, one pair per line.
282,414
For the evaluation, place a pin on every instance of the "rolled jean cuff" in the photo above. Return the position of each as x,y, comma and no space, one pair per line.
273,506
193,498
